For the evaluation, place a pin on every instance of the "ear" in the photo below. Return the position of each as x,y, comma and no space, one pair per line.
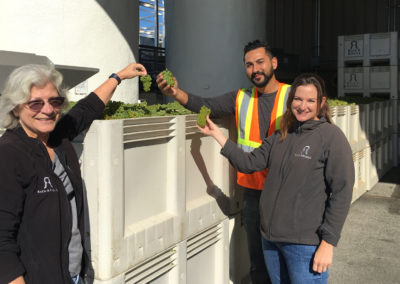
15,111
323,101
274,62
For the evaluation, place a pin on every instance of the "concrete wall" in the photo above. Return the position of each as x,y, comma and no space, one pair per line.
100,34
205,40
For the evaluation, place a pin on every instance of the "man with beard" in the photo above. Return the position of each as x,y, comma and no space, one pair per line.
257,111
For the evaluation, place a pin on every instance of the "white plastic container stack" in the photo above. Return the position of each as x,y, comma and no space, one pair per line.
368,64
365,49
148,180
141,200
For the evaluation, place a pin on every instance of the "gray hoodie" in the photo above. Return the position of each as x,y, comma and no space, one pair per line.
308,190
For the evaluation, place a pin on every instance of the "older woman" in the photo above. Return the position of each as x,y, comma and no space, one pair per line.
41,195
308,190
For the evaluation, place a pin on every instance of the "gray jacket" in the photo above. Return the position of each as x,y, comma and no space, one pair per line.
308,190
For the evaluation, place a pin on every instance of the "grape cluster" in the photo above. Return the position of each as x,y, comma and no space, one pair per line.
167,75
201,116
146,81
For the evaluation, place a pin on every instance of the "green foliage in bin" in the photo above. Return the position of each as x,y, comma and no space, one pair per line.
345,101
120,110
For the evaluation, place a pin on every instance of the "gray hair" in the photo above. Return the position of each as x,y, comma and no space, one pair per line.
18,86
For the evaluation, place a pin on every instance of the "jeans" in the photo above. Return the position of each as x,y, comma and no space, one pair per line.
292,263
77,279
251,223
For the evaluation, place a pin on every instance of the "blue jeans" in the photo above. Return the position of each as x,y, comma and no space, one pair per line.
251,223
292,263
77,279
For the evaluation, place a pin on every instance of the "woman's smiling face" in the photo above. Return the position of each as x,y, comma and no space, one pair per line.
38,124
305,103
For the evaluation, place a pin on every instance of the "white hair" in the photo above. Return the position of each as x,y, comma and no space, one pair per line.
18,86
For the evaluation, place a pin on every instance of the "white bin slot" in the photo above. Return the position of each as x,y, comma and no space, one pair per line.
190,124
153,268
203,240
148,129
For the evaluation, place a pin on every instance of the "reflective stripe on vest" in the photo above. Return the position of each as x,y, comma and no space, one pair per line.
249,129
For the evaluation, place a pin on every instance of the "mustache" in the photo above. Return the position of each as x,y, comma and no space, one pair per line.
253,75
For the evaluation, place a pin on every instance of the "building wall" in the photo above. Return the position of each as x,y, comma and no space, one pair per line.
205,40
100,34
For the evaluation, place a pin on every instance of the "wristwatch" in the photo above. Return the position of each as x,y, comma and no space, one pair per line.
116,77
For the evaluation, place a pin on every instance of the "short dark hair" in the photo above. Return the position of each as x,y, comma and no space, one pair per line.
257,44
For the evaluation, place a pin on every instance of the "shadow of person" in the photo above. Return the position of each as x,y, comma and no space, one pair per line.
224,202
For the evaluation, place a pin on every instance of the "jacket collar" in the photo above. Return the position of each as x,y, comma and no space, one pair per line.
309,125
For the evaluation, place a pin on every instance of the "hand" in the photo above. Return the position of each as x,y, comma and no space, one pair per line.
213,130
132,70
323,257
18,280
166,89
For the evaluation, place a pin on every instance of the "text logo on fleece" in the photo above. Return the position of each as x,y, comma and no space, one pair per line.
47,186
304,153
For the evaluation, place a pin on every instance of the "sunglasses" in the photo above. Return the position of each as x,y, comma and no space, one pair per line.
37,105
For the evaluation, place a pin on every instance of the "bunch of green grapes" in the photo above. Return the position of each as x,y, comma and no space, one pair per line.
201,116
146,81
167,75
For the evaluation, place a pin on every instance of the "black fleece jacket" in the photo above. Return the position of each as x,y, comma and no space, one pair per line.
35,215
308,190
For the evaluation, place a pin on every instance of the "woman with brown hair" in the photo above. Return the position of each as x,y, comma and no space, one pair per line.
308,190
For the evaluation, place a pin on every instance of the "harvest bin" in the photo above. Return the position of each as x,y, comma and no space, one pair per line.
149,182
146,181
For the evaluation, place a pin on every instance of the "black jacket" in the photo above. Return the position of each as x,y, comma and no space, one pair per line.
35,214
308,190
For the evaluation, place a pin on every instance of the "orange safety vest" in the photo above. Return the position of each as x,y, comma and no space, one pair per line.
248,128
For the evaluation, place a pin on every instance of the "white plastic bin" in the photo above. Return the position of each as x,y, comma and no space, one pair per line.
208,256
360,175
204,258
207,178
341,117
350,49
136,196
366,49
368,80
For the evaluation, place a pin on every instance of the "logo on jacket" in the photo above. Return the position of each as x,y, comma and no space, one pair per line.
304,153
47,186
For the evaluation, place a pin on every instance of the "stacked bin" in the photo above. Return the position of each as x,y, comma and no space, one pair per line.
368,66
159,193
368,128
151,217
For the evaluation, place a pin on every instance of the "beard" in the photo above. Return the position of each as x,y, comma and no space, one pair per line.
267,78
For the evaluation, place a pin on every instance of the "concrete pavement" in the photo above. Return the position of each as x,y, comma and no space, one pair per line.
369,248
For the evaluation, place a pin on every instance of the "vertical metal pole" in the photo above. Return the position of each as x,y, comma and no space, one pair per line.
156,53
157,31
